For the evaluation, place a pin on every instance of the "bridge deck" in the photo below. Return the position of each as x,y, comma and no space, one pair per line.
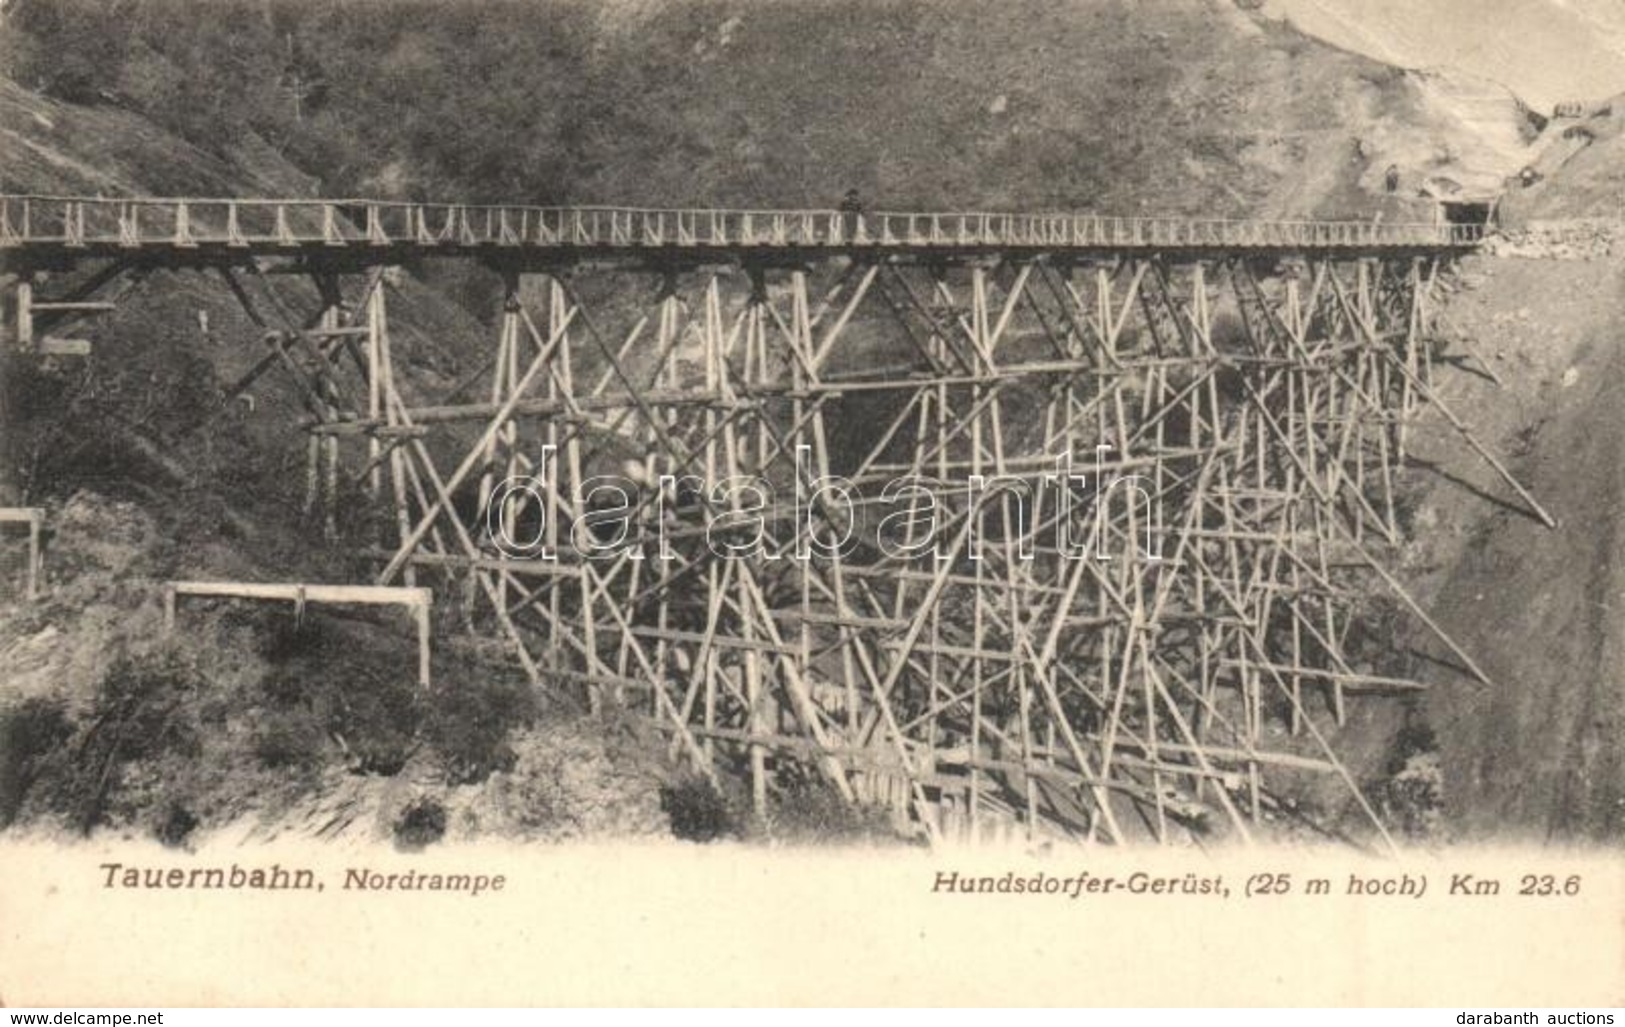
46,226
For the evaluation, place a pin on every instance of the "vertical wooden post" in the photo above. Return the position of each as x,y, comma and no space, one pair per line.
25,313
33,554
558,305
9,351
378,322
330,442
375,385
313,473
504,378
421,616
330,504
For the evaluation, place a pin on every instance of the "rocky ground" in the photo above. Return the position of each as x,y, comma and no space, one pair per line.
1531,755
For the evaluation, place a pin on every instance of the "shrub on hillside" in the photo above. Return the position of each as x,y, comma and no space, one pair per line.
73,50
570,780
290,739
469,724
699,812
1410,795
422,823
29,732
808,810
342,684
144,711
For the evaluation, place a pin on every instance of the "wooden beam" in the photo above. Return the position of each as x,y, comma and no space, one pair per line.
418,600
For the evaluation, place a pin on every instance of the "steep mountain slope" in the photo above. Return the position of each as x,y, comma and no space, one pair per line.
1546,51
1171,106
1535,754
1582,169
151,472
181,336
51,147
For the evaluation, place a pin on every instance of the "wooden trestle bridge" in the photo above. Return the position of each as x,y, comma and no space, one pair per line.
1250,384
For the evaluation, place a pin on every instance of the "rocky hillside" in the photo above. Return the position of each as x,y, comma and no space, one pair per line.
1566,58
1168,106
1533,755
1580,173
1546,51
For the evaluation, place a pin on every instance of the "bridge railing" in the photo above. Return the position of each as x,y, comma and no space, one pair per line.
186,222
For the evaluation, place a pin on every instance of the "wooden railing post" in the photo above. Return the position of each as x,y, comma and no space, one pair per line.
83,221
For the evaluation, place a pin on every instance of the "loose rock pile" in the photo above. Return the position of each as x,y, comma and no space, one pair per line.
1578,239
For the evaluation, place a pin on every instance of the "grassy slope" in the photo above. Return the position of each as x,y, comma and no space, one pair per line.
1168,106
53,147
153,348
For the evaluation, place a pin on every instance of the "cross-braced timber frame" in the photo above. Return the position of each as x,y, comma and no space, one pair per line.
1128,646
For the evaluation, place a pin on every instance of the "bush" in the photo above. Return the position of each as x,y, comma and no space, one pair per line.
422,823
28,732
142,709
176,825
698,811
1411,794
469,726
809,810
332,682
145,711
289,740
378,715
73,50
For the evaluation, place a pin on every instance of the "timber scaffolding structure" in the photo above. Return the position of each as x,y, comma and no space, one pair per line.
1250,385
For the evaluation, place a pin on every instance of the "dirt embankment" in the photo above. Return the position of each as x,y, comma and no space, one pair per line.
1535,754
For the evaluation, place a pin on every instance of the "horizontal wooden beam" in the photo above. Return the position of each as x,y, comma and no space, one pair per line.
418,600
83,307
53,346
358,594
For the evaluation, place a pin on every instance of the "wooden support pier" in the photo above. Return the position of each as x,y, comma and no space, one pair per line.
1125,647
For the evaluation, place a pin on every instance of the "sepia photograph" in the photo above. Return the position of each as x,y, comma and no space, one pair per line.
940,465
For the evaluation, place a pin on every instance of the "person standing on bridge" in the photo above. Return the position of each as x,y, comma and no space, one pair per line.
851,216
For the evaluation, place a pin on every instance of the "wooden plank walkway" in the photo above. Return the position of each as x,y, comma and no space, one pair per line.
41,225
